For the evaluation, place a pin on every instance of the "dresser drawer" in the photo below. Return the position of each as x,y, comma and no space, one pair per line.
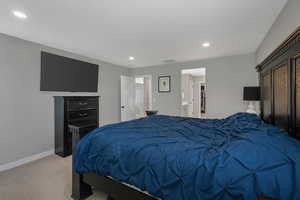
82,104
82,110
82,115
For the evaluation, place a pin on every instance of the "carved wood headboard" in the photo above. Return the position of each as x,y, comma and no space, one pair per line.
280,85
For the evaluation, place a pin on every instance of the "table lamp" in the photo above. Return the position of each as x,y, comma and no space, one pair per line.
251,94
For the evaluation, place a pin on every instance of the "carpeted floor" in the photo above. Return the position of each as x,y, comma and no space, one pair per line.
46,179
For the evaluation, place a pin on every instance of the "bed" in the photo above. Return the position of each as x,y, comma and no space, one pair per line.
174,158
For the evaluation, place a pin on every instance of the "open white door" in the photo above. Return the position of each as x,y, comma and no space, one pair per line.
127,98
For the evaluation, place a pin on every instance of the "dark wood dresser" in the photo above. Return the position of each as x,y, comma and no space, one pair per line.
72,110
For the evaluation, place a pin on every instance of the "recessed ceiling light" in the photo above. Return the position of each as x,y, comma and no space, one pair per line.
131,58
19,14
206,44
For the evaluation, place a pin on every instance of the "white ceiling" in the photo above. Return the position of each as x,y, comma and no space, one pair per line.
149,30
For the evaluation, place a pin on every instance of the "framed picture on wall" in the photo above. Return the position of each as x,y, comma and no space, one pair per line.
164,84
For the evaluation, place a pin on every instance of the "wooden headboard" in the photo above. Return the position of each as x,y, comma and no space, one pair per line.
280,85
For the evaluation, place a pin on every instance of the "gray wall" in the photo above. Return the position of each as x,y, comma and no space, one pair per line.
26,114
226,78
286,23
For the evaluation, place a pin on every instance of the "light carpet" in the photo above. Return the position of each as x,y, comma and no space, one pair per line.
49,178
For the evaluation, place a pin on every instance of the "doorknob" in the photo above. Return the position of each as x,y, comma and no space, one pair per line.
122,107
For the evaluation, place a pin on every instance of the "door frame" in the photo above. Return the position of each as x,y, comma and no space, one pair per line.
150,90
181,89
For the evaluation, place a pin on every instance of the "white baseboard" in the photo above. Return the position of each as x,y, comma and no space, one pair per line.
26,160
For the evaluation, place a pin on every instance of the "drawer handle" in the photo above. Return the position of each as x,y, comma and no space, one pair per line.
83,103
83,114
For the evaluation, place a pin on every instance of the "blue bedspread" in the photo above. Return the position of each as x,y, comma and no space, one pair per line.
177,158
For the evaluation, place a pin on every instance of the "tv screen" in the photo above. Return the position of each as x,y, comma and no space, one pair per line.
59,73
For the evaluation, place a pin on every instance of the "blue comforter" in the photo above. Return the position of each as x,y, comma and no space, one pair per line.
178,158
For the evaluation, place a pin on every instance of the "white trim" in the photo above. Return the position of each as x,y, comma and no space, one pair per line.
26,160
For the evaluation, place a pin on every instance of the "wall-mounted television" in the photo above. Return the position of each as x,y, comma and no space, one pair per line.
60,73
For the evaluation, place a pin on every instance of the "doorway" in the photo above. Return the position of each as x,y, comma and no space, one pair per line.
193,92
143,98
136,96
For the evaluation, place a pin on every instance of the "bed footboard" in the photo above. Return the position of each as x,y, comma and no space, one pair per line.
80,189
261,197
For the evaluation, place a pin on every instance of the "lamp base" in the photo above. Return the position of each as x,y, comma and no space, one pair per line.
251,108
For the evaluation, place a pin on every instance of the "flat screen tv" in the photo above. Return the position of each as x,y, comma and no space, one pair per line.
59,73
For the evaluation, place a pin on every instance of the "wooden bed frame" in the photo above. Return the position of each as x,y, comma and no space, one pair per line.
280,86
280,105
82,184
